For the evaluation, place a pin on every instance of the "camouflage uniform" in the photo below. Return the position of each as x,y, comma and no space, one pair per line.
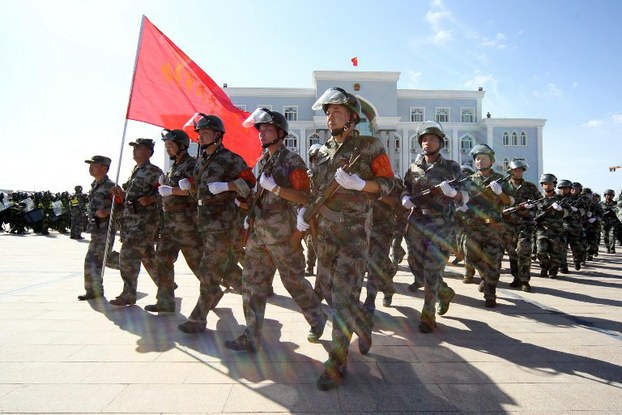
269,248
77,204
573,231
100,198
217,223
520,229
140,226
483,240
428,234
549,228
179,232
593,228
610,224
380,269
344,227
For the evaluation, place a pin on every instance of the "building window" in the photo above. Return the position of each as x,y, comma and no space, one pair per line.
291,112
416,114
506,164
506,138
414,145
466,115
466,143
242,107
268,107
523,139
442,114
291,142
514,141
314,139
447,143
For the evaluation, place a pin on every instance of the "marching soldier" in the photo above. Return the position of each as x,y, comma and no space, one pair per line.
610,220
140,221
488,193
99,210
572,226
549,228
593,224
520,224
311,256
179,229
219,176
283,186
351,171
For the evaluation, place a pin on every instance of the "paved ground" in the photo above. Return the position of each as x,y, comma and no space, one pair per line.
554,351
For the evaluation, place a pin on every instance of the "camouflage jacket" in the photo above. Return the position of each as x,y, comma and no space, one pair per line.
275,217
522,193
548,219
372,164
422,176
219,212
483,203
575,218
142,182
183,169
99,198
610,213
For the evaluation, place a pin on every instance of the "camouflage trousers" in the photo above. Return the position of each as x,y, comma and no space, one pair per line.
550,250
428,250
524,247
179,233
214,267
592,236
76,223
94,260
380,268
484,251
510,243
140,231
575,240
609,237
342,249
311,256
260,264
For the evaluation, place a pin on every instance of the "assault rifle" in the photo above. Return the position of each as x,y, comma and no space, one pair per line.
522,205
563,203
315,207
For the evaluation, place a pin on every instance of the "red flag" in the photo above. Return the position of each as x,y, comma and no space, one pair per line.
169,88
355,61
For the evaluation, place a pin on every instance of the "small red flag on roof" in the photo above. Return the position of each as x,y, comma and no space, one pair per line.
355,61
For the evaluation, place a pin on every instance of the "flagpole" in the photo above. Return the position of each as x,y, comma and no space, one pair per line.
116,181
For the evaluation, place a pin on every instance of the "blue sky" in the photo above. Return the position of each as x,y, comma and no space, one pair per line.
66,69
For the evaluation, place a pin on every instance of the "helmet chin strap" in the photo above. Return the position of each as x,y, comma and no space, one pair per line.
206,146
340,131
271,142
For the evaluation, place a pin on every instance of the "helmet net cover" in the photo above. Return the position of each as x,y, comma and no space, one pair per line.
483,149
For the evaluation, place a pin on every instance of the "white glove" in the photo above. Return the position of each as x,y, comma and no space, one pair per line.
184,184
589,214
165,190
447,189
267,182
529,205
591,220
557,207
496,187
349,181
246,224
407,203
162,179
574,209
463,208
218,187
301,224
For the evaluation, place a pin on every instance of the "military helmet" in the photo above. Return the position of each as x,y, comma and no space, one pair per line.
78,188
564,183
314,149
577,185
266,116
609,192
482,149
177,136
587,191
548,178
208,121
431,127
518,163
339,96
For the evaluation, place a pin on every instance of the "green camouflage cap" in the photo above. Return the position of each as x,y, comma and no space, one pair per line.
99,160
143,141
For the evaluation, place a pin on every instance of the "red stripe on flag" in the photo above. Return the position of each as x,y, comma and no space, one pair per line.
169,87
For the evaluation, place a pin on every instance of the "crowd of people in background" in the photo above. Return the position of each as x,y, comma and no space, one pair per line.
235,229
